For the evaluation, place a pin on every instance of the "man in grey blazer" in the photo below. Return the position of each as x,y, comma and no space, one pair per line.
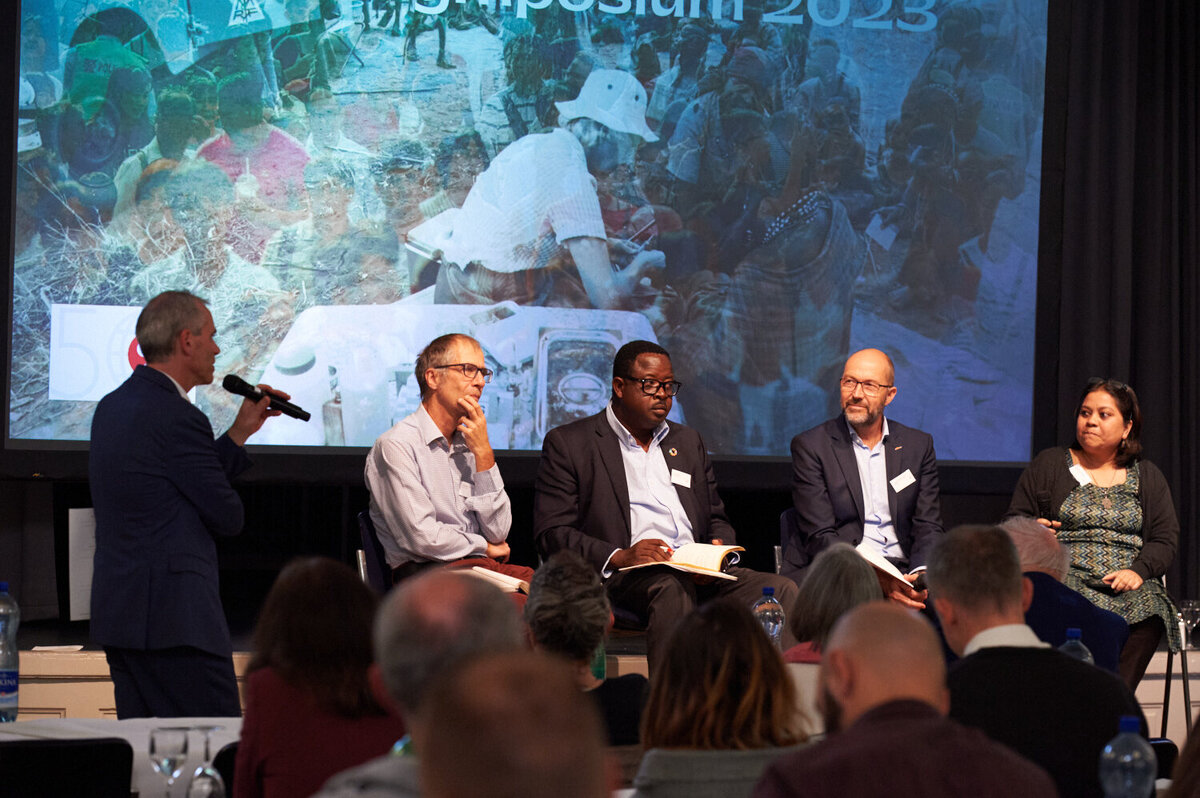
865,480
161,490
626,486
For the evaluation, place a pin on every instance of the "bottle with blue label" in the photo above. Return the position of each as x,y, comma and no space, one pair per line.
10,618
769,613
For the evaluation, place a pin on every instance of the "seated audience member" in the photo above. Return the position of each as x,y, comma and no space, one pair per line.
627,487
721,708
838,580
568,615
511,724
883,682
309,709
426,626
1055,607
436,492
1045,705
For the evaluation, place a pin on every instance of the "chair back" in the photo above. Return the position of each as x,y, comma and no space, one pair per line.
98,767
223,764
378,574
1166,752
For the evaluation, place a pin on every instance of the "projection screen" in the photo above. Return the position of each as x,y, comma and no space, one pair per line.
761,186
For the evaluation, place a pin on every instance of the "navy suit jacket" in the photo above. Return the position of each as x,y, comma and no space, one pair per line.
581,496
828,497
161,492
1056,607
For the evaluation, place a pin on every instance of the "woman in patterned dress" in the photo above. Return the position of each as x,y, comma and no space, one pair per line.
1114,511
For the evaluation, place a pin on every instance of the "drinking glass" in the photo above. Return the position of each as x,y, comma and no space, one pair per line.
168,752
206,781
1189,611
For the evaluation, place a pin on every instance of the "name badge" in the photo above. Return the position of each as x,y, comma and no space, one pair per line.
680,478
902,481
1080,473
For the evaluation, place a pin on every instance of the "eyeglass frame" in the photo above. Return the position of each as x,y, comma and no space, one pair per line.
855,384
484,370
643,380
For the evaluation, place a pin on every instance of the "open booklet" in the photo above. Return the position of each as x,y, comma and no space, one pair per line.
509,584
704,559
883,565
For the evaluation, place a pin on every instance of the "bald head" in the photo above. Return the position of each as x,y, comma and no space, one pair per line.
511,724
871,362
436,621
879,652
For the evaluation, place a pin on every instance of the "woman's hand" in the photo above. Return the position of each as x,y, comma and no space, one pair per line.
1051,525
1123,580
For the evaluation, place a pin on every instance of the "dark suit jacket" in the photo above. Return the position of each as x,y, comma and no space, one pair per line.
1052,709
161,492
828,497
1056,607
581,497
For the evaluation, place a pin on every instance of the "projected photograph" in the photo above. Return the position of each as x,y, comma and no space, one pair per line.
761,186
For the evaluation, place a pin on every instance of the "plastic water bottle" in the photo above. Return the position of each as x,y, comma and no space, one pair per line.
1128,766
1075,647
769,613
10,618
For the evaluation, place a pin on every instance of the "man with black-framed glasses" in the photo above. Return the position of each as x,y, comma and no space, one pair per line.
866,480
436,492
626,487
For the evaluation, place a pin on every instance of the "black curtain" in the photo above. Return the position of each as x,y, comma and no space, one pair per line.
1118,291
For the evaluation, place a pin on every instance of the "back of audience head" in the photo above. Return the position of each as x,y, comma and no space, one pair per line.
838,580
314,630
721,685
511,724
1037,547
568,612
878,653
434,621
975,581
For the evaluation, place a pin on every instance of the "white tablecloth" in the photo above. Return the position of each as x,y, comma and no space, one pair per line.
146,781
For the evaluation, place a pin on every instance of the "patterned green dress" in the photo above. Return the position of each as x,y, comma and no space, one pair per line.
1103,529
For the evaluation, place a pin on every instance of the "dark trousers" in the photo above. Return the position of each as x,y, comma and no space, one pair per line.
663,596
181,682
1139,648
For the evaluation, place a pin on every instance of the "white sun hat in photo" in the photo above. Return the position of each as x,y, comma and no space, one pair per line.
614,99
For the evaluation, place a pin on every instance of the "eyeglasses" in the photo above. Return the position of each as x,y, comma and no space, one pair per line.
869,387
469,370
652,387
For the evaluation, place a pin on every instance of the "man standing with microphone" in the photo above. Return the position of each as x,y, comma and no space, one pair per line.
161,491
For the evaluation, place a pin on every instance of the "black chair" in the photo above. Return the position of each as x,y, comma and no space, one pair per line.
223,764
99,767
1187,691
1165,752
789,527
378,575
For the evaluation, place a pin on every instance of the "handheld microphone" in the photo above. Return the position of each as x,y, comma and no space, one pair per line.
235,384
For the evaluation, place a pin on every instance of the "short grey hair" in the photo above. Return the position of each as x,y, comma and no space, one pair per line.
437,620
163,319
977,568
838,580
1037,547
568,611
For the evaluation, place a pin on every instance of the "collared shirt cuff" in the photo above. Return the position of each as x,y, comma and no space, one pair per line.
488,481
917,570
606,572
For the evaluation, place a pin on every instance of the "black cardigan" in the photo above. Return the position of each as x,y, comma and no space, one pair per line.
1047,482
